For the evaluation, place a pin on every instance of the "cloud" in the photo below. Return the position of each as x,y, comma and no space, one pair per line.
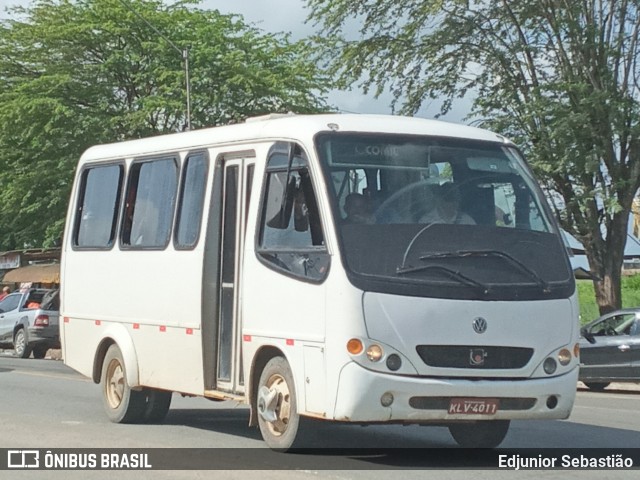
286,16
289,16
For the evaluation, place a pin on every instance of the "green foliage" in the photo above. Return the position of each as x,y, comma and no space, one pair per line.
78,73
589,307
587,298
560,78
631,291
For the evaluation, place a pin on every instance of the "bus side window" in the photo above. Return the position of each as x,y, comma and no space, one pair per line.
97,209
191,201
151,195
291,237
298,226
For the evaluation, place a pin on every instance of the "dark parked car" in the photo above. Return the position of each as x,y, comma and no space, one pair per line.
610,349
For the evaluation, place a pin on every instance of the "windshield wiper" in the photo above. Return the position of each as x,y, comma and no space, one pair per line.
492,253
451,273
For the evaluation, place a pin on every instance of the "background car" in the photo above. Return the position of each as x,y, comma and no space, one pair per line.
610,349
29,322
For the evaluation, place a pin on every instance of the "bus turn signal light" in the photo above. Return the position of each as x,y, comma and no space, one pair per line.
354,346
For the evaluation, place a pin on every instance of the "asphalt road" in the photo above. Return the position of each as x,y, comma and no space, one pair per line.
43,404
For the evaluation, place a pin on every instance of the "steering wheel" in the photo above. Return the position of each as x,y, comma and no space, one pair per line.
385,207
610,332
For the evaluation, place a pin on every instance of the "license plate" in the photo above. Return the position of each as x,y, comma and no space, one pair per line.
474,406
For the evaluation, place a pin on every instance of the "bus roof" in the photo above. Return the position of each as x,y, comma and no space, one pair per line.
287,127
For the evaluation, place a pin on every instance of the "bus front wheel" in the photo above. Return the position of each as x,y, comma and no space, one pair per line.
121,403
278,417
483,434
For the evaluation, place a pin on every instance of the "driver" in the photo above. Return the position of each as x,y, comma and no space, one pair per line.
447,207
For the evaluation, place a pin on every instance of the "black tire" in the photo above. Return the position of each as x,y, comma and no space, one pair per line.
157,403
276,384
121,404
483,434
40,351
596,386
21,346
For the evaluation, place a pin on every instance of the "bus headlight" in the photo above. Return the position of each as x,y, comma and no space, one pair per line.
549,365
378,356
374,352
564,357
394,362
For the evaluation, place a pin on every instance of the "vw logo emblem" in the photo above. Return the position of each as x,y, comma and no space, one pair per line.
479,325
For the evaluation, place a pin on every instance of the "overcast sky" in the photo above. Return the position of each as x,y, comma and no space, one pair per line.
290,16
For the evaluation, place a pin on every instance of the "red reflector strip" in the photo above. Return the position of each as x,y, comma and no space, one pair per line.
289,341
189,331
246,338
98,322
136,326
163,328
66,319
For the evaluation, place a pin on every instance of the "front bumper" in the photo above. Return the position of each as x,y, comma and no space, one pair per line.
360,391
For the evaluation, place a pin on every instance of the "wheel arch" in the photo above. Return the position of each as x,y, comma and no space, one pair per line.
21,325
260,360
24,324
118,335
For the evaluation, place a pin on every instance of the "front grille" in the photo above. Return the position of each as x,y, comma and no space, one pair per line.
442,403
474,356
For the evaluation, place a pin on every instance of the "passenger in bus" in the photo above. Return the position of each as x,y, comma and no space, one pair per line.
358,209
447,207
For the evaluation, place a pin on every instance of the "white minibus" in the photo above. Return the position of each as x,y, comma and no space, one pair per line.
351,268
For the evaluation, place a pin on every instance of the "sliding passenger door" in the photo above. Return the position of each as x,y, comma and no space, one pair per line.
236,193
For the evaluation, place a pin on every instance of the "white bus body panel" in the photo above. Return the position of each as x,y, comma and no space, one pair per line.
144,293
352,405
406,322
149,302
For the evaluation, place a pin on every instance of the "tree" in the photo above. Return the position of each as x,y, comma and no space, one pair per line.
560,77
77,73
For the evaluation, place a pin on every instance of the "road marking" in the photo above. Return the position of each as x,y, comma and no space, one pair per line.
66,377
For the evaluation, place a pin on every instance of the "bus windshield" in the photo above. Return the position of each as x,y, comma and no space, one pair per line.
453,216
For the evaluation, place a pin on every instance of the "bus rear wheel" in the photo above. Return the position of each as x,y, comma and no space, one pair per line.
596,387
483,434
278,417
157,403
121,403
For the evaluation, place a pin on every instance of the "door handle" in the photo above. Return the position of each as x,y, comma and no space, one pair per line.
624,348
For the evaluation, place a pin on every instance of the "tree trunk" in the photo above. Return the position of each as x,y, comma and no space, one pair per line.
608,291
605,261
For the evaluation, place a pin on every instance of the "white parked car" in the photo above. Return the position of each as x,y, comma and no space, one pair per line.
29,322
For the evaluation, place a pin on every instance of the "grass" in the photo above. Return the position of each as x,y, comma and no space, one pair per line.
589,307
